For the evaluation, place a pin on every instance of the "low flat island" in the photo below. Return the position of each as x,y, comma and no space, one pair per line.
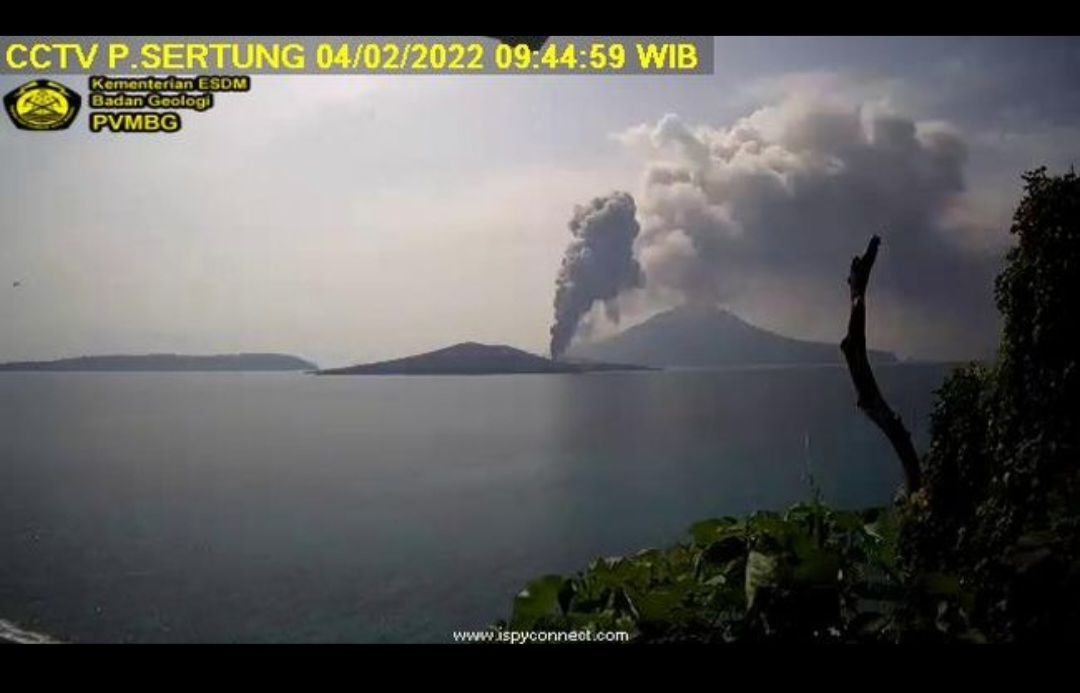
166,363
471,358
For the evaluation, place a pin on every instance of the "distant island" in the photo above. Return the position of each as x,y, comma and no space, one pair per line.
702,337
167,363
471,358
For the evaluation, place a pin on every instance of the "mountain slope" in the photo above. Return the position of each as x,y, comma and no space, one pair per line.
471,358
703,337
167,363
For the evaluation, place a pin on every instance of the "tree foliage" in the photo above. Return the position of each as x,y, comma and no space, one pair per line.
1002,502
810,574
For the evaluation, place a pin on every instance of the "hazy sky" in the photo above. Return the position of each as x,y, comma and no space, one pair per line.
349,219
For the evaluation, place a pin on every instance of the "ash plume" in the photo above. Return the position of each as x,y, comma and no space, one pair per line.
597,266
780,198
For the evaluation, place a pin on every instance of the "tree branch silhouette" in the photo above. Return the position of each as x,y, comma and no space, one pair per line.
870,400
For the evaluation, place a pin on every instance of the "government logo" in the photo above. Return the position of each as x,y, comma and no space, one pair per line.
42,105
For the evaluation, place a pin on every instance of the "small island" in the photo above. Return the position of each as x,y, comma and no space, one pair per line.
166,363
471,358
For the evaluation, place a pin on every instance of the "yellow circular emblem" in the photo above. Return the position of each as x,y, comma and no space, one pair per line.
42,105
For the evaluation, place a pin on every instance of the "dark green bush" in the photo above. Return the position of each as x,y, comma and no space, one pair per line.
811,574
1001,505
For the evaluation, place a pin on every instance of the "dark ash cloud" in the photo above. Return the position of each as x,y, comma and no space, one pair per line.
597,266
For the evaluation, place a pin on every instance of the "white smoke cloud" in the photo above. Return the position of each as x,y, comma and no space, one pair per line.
794,190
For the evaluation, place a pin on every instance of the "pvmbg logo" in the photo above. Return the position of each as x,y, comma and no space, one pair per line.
42,105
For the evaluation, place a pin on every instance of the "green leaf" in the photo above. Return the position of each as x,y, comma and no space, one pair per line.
762,570
819,567
803,544
538,600
707,531
847,521
656,605
567,592
769,530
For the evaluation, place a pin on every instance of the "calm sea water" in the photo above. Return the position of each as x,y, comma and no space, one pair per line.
290,508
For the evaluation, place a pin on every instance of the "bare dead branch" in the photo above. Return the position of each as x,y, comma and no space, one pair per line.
869,395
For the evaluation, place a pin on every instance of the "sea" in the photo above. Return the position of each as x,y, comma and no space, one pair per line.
289,508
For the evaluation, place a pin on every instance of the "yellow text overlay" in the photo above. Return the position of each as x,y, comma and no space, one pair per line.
357,55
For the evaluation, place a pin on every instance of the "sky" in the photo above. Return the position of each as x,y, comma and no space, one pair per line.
359,218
